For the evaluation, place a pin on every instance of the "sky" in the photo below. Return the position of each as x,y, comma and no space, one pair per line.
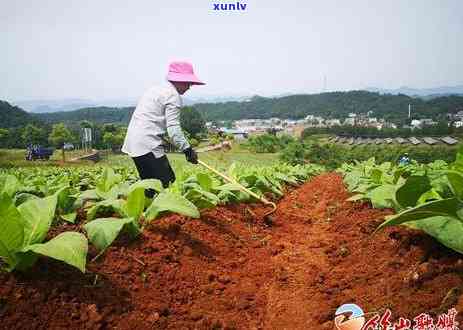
99,49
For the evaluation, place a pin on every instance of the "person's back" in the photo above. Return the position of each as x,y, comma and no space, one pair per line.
148,122
158,114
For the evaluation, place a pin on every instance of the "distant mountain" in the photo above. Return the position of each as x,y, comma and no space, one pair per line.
333,105
428,93
214,99
48,106
99,115
15,117
41,106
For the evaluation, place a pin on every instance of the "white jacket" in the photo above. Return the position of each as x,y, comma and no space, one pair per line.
157,113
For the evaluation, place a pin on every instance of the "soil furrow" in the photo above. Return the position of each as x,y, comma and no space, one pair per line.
230,270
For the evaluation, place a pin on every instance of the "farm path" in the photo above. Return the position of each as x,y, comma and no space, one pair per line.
331,257
299,298
230,269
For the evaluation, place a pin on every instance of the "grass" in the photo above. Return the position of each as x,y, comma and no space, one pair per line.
218,159
16,158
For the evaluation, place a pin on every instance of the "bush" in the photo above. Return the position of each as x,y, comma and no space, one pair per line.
269,143
333,155
293,153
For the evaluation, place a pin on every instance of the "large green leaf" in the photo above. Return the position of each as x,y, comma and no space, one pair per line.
84,197
456,183
113,192
135,203
107,180
102,232
147,184
88,194
229,187
444,207
352,179
38,215
116,205
9,185
22,197
447,230
205,181
69,247
286,178
382,196
65,201
167,201
409,194
376,175
11,229
428,196
69,217
233,171
202,199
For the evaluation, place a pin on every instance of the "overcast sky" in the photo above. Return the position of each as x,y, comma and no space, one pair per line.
102,49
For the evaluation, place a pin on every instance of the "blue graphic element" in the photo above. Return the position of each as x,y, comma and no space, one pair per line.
350,308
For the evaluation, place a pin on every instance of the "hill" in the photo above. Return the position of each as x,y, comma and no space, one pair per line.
100,115
426,93
14,117
334,104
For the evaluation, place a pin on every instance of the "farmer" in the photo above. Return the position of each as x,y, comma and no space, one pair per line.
405,159
157,115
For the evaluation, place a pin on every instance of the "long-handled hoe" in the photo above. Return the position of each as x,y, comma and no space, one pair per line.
253,194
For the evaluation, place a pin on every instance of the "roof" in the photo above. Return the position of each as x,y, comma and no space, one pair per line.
449,140
414,140
232,131
429,140
401,140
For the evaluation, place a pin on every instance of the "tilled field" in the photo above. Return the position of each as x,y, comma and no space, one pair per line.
230,269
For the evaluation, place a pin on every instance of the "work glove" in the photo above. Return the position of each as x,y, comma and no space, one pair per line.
191,155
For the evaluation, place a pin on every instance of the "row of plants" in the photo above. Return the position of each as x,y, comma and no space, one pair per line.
266,143
105,202
424,196
334,155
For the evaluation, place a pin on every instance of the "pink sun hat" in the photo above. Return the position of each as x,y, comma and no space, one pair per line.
183,71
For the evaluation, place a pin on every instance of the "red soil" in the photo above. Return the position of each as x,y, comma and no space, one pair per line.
231,270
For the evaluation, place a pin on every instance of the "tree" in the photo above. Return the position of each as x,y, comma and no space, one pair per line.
4,137
33,135
3,133
192,121
85,124
59,136
114,140
112,128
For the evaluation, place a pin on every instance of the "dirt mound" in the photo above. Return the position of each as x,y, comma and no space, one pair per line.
231,270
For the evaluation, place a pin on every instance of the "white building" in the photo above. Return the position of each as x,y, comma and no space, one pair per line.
416,123
332,122
428,122
459,115
349,121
